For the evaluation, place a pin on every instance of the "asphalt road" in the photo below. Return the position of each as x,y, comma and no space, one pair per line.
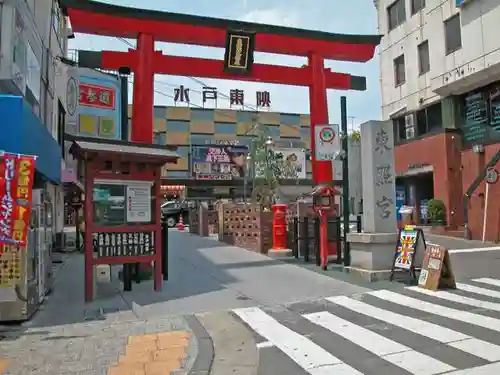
382,332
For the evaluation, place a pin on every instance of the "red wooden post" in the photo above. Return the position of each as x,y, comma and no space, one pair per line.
158,278
142,105
89,228
321,170
279,226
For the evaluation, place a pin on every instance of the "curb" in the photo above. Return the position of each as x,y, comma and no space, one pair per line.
203,363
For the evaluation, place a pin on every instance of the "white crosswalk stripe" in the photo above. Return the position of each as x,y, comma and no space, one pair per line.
458,340
365,334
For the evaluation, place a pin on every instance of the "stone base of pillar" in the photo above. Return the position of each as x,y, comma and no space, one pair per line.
372,254
280,253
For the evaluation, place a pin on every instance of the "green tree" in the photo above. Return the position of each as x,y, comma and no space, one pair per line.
267,166
355,135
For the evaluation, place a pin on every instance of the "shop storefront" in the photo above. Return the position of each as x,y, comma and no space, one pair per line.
23,134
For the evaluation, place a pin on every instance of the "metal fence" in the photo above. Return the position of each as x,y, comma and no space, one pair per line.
303,237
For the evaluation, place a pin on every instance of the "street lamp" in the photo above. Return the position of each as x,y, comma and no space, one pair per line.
245,182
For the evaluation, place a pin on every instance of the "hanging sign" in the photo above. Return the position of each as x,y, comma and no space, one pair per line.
16,188
411,242
327,142
139,203
436,270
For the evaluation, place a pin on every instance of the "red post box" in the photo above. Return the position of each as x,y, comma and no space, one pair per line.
323,205
279,226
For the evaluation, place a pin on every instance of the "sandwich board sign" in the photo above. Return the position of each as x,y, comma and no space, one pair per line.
408,255
436,272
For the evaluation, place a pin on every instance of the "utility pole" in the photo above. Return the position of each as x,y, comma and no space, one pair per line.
352,122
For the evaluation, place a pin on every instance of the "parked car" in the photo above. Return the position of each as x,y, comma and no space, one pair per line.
172,210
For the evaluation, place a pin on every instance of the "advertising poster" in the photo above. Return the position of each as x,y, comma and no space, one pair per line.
296,157
218,162
16,188
406,248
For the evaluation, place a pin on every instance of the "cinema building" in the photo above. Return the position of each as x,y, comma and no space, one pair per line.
440,86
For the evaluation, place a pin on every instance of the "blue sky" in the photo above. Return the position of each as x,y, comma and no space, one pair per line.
350,17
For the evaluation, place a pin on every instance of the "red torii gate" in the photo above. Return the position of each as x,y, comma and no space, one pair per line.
148,26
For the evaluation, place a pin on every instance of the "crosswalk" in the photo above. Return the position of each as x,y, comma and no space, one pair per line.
384,332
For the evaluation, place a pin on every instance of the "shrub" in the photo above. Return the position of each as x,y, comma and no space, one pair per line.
436,211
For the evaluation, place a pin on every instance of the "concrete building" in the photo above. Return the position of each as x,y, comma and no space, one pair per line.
33,39
440,73
190,129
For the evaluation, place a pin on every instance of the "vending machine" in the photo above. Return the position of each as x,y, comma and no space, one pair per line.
25,271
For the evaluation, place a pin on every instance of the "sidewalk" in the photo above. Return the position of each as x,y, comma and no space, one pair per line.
142,328
105,337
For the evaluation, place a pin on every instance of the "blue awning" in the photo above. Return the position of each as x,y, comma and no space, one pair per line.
21,132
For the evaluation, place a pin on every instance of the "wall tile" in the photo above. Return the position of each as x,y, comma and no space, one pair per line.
182,165
269,118
225,115
179,113
221,127
178,138
290,130
305,120
160,125
202,126
177,126
201,114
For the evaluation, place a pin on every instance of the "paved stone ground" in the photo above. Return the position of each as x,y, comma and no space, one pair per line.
68,337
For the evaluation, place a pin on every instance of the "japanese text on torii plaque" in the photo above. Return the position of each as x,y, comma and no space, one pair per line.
238,57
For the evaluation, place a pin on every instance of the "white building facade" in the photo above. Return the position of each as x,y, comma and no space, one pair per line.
433,48
440,85
33,39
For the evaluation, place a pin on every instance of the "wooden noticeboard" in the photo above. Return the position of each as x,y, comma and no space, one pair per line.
408,255
436,272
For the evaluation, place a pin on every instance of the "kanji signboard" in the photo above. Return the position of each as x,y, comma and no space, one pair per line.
210,95
97,96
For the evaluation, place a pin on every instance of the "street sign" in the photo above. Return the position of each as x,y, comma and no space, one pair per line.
327,142
491,176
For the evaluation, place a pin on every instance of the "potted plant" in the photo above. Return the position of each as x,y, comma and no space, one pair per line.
436,212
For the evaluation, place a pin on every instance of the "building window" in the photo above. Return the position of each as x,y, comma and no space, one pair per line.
399,70
424,64
429,119
417,6
453,34
396,14
399,128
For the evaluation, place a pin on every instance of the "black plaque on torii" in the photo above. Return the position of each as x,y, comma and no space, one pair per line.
239,54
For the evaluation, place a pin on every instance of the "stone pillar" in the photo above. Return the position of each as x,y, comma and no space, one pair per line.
372,251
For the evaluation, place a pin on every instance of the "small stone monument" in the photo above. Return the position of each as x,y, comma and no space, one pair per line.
372,250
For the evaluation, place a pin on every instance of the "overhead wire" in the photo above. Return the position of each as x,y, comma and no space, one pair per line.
203,84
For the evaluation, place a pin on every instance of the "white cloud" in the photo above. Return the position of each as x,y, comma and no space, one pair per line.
273,16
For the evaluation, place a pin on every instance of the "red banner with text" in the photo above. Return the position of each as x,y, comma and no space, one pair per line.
17,173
